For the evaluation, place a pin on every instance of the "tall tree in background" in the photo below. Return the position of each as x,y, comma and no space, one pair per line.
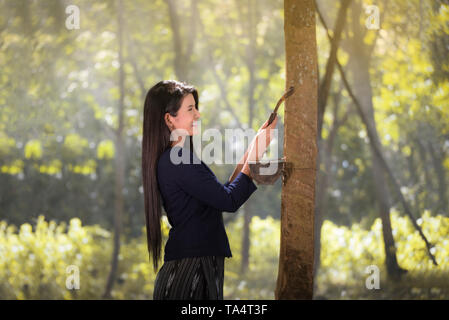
119,160
361,51
359,65
439,43
251,65
295,274
325,147
183,44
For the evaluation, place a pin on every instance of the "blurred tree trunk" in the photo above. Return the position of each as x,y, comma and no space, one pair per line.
295,273
324,179
325,156
412,169
439,44
428,185
359,67
325,85
119,162
183,59
438,157
250,63
221,84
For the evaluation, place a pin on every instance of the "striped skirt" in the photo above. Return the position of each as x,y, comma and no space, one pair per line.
194,278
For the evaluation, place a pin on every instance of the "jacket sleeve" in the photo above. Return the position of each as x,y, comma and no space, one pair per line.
199,181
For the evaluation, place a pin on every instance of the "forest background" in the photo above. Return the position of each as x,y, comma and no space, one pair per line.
71,103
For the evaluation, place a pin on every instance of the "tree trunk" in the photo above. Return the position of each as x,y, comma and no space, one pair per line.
325,156
119,162
182,57
427,185
437,160
376,148
325,85
295,275
325,178
250,58
359,65
412,169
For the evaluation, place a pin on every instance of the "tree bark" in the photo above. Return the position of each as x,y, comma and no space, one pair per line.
295,273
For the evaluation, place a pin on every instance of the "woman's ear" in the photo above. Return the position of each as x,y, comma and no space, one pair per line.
168,122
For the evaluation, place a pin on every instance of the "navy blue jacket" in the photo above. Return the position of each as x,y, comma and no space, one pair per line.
194,200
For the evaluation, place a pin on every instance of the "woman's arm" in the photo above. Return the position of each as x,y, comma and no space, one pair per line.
245,169
243,165
197,180
240,166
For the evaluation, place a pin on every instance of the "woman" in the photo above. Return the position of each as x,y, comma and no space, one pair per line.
190,193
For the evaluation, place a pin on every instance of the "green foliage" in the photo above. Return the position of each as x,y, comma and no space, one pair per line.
33,263
346,252
259,281
60,94
59,102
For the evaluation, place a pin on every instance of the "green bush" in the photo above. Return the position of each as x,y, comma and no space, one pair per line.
33,263
347,252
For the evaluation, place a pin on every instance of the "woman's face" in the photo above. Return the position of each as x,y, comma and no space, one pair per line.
186,119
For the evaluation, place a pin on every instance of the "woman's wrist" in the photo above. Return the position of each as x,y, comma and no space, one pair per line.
246,170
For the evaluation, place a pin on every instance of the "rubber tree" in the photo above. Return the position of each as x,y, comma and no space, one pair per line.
295,273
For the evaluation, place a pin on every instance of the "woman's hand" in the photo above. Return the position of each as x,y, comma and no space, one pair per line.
273,124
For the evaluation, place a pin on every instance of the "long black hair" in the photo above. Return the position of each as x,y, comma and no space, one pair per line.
165,96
